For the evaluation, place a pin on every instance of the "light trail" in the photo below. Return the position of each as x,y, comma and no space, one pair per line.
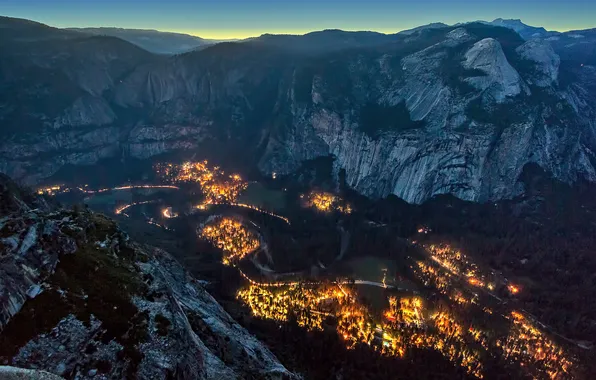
261,211
204,206
53,190
130,187
158,225
120,209
294,283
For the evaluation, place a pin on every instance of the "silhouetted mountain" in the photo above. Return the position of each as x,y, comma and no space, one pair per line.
526,31
152,40
434,25
324,41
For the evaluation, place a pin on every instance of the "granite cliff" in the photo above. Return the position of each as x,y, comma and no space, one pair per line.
443,109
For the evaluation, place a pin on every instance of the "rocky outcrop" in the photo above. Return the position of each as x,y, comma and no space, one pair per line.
501,79
14,373
86,111
547,62
148,141
80,300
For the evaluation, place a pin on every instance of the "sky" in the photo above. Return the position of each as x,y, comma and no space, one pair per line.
222,19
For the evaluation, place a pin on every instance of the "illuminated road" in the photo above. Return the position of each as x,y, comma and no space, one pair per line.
371,283
120,209
343,282
130,187
204,206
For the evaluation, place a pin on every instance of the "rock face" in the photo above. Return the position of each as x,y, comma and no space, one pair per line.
80,300
547,61
438,110
13,373
500,79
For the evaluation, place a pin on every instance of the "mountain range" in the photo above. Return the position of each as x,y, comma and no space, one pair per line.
438,109
152,40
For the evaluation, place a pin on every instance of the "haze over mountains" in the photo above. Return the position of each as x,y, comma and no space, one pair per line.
153,40
439,109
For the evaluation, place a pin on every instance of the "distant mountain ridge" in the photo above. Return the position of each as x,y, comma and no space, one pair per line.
526,31
152,40
434,25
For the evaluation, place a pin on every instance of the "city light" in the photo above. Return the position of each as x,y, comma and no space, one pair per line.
527,344
232,237
168,213
326,202
513,289
50,190
217,187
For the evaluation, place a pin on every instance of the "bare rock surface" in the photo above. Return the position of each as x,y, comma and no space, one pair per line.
79,300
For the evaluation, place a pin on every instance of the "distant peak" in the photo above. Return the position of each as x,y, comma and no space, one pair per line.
524,30
509,20
434,25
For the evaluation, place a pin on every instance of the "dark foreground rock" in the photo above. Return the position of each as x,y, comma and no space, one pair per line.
80,300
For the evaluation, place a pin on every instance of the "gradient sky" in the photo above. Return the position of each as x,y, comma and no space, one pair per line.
244,18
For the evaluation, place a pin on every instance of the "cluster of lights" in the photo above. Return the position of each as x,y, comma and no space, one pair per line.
217,187
326,202
168,213
513,289
529,346
407,310
51,190
459,264
461,298
525,343
355,324
310,305
424,230
432,276
404,326
232,237
408,326
479,336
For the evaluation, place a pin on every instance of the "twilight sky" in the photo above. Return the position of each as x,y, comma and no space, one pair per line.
244,18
